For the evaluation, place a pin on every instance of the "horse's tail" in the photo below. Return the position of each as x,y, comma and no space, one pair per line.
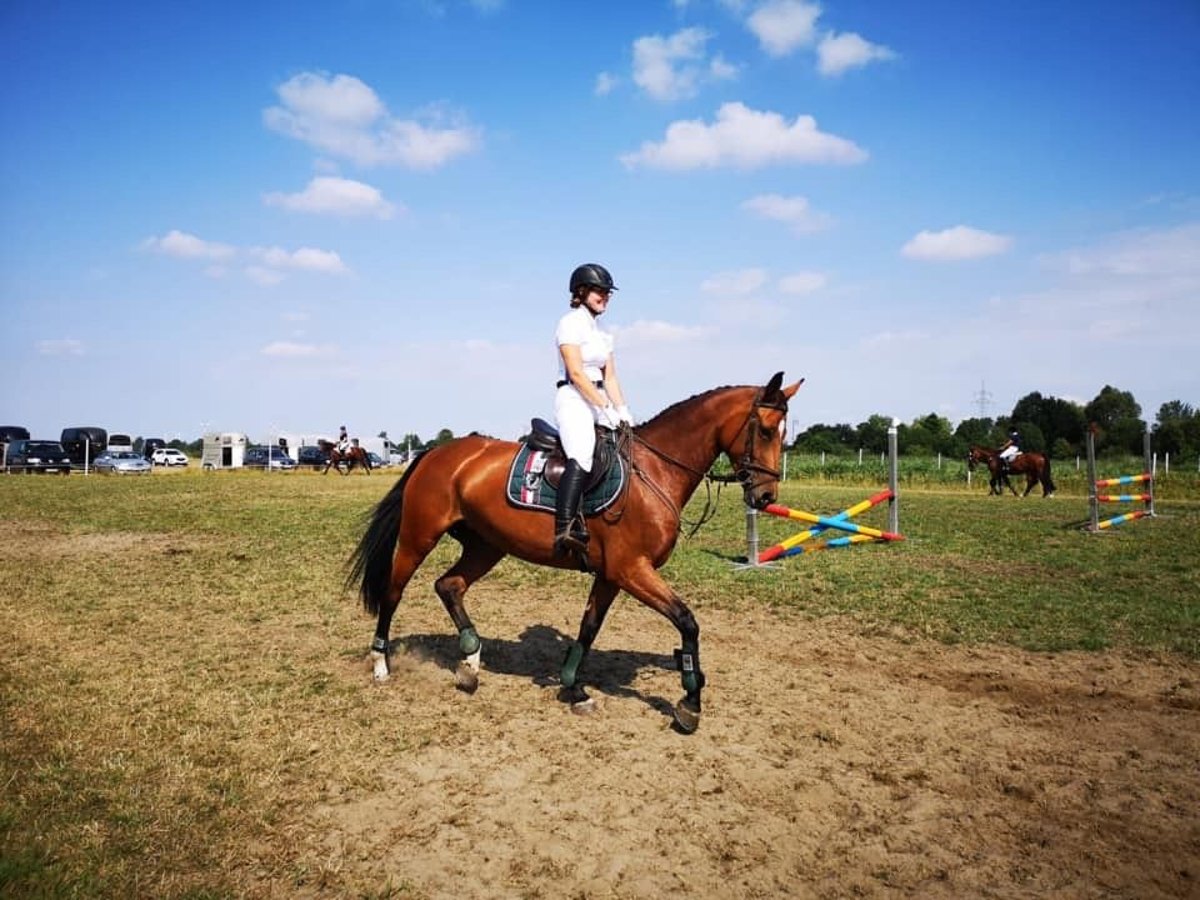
1047,481
371,563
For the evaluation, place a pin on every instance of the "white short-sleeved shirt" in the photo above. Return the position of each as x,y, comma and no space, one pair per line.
579,327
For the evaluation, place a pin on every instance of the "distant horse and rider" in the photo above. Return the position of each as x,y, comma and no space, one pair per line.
344,458
464,488
1034,466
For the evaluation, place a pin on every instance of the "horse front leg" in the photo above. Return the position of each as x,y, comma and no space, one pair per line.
599,600
648,586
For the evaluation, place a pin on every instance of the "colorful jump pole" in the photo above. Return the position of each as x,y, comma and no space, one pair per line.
1095,498
840,522
787,546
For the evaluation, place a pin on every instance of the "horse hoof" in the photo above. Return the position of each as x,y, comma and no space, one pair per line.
585,707
380,671
466,679
687,718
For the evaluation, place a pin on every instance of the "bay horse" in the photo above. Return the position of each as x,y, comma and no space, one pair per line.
1034,466
352,457
459,488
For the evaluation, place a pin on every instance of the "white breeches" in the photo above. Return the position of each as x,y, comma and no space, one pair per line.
1008,453
576,420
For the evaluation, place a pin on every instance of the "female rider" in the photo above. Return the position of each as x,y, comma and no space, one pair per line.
588,394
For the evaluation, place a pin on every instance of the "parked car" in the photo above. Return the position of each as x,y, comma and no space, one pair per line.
310,455
149,445
377,461
257,457
168,456
122,462
30,456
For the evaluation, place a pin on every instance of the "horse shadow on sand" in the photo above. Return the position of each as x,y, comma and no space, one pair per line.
537,654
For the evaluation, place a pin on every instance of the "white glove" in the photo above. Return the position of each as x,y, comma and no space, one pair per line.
625,415
609,417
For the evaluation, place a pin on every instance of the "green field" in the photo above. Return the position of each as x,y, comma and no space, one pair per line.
973,567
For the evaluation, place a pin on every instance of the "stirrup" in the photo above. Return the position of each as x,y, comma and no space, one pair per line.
571,541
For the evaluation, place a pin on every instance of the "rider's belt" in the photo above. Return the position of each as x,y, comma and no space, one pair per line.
599,384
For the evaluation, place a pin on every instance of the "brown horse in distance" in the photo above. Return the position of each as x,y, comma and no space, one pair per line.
1034,466
353,456
459,488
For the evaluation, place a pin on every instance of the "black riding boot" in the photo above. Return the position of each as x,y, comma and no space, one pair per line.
570,531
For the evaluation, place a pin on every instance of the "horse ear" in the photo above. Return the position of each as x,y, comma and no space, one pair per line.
790,391
772,387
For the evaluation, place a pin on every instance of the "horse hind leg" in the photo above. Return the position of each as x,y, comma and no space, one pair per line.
478,558
410,551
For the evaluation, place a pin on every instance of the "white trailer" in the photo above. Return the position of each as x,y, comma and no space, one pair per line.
224,450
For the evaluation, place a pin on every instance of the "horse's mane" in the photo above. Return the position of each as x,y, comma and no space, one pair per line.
695,398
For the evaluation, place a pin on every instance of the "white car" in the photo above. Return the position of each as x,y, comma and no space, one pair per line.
168,456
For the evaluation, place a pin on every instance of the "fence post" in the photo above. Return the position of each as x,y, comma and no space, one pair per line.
1149,484
1093,503
894,478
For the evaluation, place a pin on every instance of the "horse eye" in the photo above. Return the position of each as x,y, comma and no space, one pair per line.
765,432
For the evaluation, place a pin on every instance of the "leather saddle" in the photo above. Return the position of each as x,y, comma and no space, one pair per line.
544,437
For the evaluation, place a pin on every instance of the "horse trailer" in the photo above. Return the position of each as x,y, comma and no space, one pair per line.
83,443
224,450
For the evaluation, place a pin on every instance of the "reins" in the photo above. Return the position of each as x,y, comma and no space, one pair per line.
743,474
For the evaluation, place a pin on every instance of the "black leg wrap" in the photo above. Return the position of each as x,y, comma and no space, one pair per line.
380,645
688,662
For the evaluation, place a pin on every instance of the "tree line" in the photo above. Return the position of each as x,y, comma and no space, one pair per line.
1046,423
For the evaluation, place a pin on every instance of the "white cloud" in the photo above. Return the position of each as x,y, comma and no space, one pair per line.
652,331
794,211
344,117
265,277
187,246
784,25
744,138
60,347
672,68
293,350
738,284
803,282
336,196
1173,252
307,259
959,242
838,52
605,84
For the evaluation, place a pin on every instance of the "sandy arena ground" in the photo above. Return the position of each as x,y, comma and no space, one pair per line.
830,763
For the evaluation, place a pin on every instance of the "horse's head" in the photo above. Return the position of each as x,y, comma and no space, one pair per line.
755,447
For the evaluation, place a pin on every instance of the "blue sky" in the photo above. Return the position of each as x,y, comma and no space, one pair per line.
289,216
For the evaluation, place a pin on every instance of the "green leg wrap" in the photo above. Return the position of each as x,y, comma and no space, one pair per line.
468,641
571,664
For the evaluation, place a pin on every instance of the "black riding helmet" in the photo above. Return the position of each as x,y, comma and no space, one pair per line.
591,275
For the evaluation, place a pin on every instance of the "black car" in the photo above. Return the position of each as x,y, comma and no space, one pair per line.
37,456
309,455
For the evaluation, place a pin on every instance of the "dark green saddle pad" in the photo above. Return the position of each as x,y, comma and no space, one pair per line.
528,488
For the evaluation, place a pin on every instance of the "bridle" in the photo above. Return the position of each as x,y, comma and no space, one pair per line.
747,466
743,473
